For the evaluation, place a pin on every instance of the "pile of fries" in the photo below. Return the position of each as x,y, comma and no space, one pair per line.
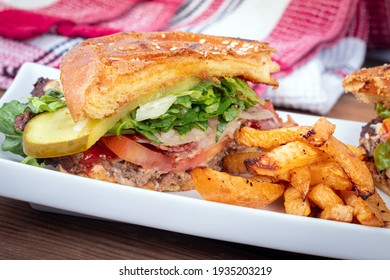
316,174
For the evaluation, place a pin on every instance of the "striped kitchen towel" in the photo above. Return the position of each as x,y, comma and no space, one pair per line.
318,42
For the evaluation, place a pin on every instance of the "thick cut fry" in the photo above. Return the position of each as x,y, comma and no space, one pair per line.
283,176
331,174
356,170
323,196
300,178
234,163
263,178
321,131
295,204
222,187
361,210
290,122
338,212
378,206
266,139
284,158
359,151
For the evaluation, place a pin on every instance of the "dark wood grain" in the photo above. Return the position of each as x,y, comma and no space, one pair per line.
26,233
29,234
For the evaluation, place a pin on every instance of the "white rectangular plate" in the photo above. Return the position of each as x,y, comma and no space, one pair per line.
186,212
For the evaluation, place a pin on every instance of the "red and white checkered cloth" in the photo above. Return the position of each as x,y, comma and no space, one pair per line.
318,41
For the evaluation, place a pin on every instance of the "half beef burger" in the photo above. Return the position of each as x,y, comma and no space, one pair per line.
142,108
372,86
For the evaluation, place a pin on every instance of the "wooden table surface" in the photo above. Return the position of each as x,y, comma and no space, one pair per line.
30,234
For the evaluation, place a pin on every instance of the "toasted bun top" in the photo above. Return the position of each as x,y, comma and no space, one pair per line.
370,85
102,74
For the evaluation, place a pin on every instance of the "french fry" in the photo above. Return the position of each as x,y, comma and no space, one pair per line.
331,174
356,170
359,151
267,139
290,122
361,210
321,131
222,187
295,204
321,136
263,178
284,158
378,206
300,179
338,212
285,176
323,196
234,163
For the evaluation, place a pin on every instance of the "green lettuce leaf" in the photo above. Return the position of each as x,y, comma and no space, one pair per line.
382,112
51,101
13,138
192,109
382,155
32,161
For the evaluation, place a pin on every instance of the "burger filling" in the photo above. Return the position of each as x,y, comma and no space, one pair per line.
154,144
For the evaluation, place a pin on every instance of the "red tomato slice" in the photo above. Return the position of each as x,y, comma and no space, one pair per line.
96,153
204,156
131,151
